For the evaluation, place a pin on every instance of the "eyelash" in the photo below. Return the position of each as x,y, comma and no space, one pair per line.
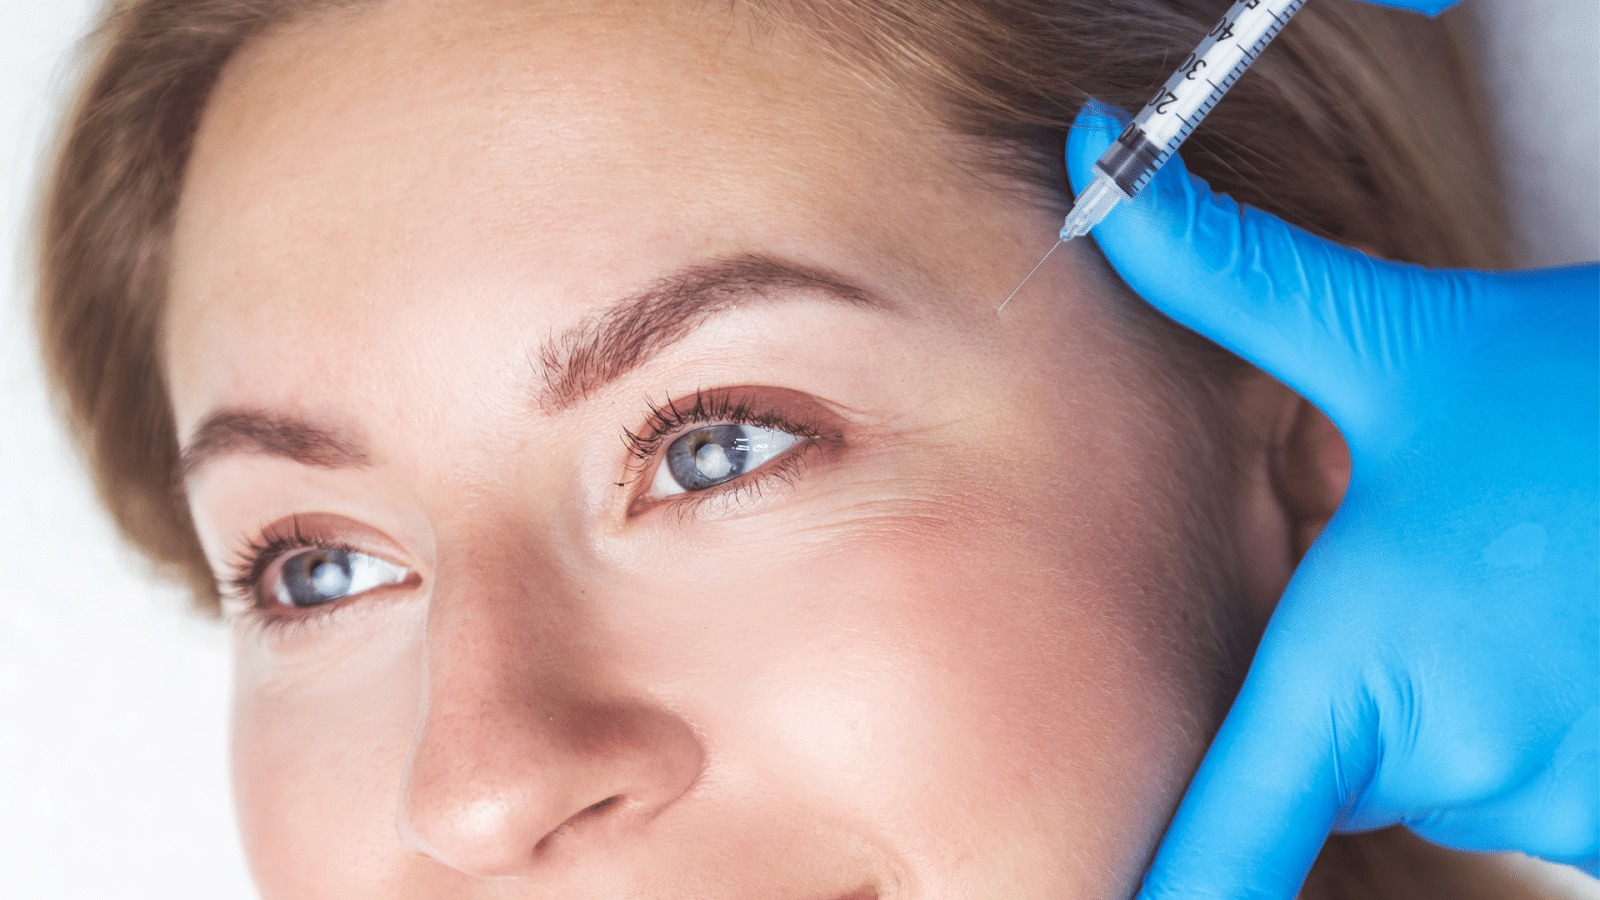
670,419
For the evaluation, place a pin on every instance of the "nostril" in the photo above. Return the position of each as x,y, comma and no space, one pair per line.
588,812
602,806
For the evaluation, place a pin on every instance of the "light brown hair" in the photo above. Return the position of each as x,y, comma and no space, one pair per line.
1359,124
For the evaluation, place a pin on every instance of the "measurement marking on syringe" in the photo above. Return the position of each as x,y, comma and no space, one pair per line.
1184,100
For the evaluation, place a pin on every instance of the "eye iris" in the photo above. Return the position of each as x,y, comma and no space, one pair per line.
315,577
708,456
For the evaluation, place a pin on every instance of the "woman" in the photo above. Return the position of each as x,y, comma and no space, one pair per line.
595,419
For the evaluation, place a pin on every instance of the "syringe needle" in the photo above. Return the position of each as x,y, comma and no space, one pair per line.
1030,274
1091,206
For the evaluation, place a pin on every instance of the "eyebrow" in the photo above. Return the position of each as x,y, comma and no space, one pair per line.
250,431
571,365
627,334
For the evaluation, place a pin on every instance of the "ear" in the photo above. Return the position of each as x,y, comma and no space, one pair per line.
1294,468
1310,471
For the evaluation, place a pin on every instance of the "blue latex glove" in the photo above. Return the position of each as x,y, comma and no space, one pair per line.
1431,7
1435,660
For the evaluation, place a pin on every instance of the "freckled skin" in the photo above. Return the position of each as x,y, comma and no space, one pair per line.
951,653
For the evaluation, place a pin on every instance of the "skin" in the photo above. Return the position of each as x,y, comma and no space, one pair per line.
951,647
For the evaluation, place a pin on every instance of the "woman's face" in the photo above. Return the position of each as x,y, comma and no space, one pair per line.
628,382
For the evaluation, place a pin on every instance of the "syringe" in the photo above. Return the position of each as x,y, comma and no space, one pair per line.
1173,113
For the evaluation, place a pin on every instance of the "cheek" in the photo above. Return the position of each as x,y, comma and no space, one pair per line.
1050,662
317,760
980,679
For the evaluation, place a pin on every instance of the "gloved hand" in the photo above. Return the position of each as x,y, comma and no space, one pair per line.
1431,7
1435,660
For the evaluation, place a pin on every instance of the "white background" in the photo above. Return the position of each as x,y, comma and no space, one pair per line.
113,696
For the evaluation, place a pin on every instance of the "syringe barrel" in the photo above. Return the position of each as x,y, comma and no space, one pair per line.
1191,92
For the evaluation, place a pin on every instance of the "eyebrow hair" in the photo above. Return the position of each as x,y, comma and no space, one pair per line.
572,365
617,340
252,431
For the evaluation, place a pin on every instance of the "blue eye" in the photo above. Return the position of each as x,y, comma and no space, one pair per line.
709,456
322,575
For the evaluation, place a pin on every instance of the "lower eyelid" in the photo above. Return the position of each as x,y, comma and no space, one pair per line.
279,622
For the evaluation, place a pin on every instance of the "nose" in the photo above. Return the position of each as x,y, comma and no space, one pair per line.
526,748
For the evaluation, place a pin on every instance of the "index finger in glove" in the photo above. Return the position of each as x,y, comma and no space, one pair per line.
1337,326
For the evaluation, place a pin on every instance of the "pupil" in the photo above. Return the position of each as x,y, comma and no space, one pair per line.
708,456
712,461
328,578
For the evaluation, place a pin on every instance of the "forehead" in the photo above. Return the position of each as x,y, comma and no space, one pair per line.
558,152
518,111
